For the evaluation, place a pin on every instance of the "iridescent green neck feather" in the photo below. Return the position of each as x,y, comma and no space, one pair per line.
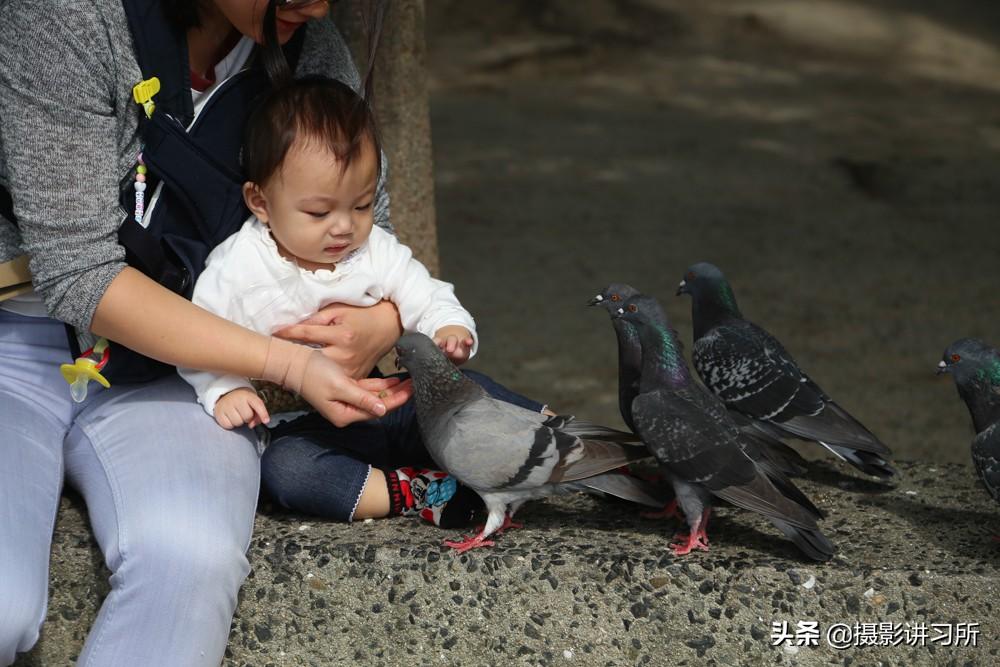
982,395
713,304
661,359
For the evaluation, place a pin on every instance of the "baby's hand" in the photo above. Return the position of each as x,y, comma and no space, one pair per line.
240,406
456,342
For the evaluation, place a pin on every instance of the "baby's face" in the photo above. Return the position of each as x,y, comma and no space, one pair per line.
318,213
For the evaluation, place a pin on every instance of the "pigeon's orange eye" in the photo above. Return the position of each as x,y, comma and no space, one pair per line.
632,308
690,275
615,297
956,357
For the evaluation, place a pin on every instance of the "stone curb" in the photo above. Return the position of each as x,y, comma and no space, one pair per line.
588,582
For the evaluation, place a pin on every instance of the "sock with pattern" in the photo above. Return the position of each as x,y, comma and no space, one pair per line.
433,495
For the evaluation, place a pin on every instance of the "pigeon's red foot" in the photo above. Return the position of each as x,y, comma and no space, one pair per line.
468,543
670,511
697,540
508,524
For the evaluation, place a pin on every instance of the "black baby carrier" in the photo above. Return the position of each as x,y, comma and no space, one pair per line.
197,161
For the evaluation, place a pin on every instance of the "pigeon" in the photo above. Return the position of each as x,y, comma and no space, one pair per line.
698,444
763,446
975,366
752,373
509,454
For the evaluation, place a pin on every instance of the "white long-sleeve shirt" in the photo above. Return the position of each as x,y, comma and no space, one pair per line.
247,281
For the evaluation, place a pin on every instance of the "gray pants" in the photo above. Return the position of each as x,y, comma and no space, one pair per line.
171,498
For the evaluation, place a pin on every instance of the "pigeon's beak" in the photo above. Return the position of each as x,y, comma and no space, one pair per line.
617,313
397,362
596,300
942,368
682,288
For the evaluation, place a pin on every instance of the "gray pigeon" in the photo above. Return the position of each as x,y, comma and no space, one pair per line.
976,369
777,459
508,454
752,373
698,444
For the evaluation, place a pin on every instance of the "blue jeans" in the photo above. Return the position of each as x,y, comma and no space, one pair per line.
314,467
171,498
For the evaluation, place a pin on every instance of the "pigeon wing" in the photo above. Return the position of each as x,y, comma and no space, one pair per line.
489,444
750,371
493,445
832,425
689,432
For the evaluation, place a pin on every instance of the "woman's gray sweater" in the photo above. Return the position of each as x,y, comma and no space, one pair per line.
69,135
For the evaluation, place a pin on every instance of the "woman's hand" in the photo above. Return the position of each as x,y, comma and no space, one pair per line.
338,397
354,337
342,400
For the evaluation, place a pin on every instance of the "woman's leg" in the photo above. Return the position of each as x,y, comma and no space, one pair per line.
34,414
171,498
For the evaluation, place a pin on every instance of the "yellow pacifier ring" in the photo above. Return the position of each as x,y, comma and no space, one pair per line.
79,373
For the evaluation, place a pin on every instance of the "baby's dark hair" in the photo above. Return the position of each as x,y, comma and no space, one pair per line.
312,110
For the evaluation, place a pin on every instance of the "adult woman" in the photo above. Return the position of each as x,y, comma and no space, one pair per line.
171,496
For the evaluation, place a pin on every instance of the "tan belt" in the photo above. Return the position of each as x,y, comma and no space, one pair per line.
15,278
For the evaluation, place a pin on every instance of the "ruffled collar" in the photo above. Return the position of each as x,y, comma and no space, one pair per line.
264,234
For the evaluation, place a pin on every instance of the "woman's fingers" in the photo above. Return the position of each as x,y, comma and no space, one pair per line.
378,384
394,396
353,404
316,334
325,316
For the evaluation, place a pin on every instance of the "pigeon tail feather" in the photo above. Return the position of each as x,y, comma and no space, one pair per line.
595,457
625,487
866,462
811,542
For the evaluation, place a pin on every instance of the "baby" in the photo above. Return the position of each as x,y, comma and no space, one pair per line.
312,160
312,241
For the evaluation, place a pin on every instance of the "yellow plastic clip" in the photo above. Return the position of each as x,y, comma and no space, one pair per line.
143,93
85,369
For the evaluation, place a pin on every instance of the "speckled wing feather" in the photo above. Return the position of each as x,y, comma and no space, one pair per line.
751,372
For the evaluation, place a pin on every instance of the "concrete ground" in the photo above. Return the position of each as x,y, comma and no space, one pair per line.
838,160
590,583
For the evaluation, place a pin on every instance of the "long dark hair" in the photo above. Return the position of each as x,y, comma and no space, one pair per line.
182,14
186,14
276,65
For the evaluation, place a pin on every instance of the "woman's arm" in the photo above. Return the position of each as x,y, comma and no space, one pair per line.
138,313
60,129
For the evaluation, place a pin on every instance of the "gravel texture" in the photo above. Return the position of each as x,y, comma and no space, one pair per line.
589,582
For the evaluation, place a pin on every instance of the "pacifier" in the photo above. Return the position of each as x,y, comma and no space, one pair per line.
84,369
